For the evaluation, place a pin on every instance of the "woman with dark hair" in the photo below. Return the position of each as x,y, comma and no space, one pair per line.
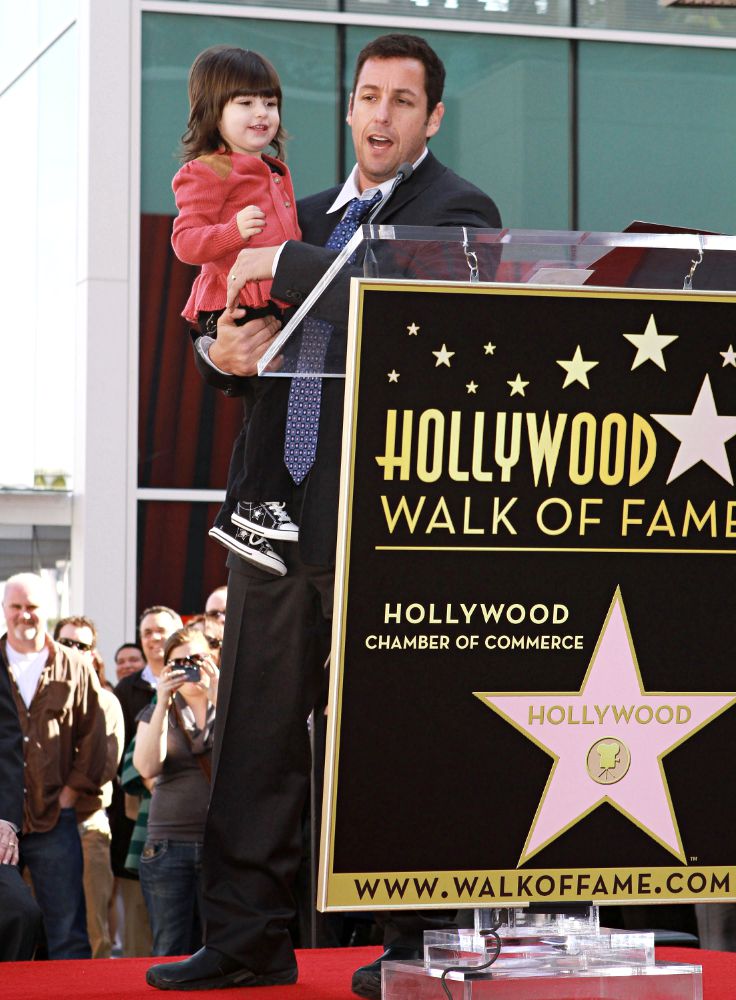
173,745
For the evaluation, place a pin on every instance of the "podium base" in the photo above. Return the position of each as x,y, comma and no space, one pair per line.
525,954
660,981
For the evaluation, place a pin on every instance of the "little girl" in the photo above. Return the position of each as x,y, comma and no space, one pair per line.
230,194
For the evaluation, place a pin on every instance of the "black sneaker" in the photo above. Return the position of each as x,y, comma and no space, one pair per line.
268,518
248,545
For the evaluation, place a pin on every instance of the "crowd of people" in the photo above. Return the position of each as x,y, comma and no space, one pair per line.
72,884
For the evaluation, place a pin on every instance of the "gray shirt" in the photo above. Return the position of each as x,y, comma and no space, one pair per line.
181,792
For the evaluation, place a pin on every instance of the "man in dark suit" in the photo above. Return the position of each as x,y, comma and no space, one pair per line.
267,688
20,917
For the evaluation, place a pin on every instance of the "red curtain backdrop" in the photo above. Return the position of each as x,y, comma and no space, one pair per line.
185,435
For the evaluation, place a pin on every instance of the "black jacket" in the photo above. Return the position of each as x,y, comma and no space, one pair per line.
432,196
11,756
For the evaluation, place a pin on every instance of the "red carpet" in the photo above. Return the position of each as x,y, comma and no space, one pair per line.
324,974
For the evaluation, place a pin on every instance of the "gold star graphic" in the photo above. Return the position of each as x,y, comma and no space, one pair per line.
443,356
577,369
518,385
649,345
729,356
471,386
412,330
393,376
489,348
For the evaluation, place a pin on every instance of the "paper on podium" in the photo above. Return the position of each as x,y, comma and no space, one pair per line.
669,267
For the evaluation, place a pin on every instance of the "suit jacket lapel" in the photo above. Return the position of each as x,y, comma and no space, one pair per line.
426,173
319,224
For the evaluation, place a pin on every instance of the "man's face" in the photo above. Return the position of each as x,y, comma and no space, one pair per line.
25,616
213,629
216,603
388,116
155,630
128,661
83,635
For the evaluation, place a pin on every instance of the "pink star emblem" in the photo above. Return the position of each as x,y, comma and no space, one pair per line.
607,740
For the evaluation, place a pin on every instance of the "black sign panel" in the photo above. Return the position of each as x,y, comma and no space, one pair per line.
533,647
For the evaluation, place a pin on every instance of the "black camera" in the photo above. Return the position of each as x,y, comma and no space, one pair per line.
189,666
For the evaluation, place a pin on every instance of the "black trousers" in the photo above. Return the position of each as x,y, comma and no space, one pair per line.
269,682
254,472
261,761
20,917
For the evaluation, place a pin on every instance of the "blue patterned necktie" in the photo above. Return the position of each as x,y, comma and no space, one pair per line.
305,394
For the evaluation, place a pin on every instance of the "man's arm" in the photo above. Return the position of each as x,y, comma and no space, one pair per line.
11,772
115,730
229,362
90,740
450,202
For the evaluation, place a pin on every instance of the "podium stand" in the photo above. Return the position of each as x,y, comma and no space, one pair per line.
540,956
531,682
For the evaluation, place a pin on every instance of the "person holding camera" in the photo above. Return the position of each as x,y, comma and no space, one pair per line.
173,749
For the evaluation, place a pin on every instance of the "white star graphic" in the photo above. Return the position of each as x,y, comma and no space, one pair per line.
443,356
577,369
518,385
412,330
393,376
471,387
729,356
489,348
649,345
702,435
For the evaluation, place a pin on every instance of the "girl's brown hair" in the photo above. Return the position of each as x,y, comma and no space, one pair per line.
219,74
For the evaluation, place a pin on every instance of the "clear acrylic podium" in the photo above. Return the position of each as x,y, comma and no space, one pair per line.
540,956
517,953
552,258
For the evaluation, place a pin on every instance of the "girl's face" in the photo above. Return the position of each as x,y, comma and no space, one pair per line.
249,123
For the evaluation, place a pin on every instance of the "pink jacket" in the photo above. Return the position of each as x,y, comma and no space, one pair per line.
209,193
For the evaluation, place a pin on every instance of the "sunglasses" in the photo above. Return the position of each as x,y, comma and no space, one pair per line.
182,662
84,647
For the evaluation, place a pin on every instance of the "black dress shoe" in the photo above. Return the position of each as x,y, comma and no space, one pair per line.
367,979
208,969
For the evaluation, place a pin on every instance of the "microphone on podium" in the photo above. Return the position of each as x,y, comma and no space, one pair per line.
370,264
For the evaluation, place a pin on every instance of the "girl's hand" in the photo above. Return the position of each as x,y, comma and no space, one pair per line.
251,221
250,265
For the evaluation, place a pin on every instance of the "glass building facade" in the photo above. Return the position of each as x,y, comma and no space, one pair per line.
572,114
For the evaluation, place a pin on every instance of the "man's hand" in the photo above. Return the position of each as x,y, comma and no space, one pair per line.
68,797
250,221
238,349
250,265
8,844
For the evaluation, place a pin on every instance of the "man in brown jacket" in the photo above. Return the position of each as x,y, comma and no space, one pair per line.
64,751
78,632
